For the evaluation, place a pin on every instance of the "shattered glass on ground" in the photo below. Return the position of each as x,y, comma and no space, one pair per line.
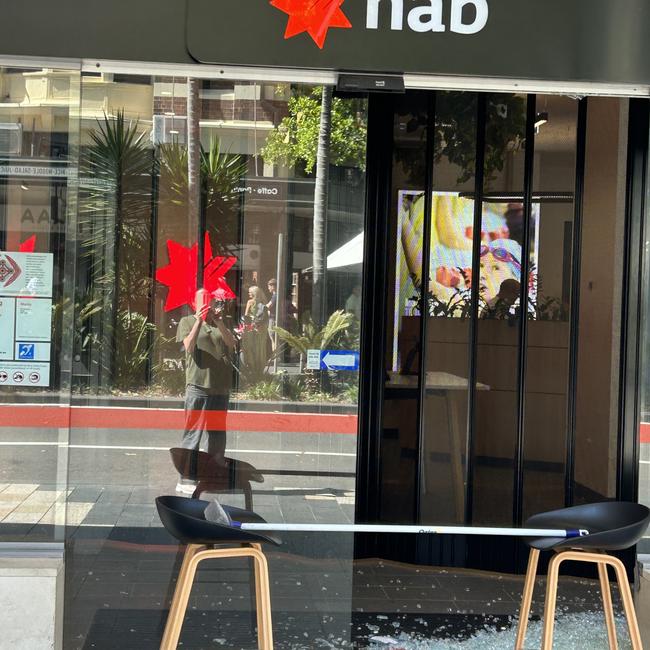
572,632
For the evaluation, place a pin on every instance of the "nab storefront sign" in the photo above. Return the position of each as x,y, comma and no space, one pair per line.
429,17
524,39
316,18
565,41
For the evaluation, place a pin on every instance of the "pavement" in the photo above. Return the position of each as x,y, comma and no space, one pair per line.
110,477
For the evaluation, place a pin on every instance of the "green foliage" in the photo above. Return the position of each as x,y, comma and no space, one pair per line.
118,170
301,388
119,164
135,338
313,338
220,173
83,334
115,209
295,139
455,135
505,131
266,389
351,392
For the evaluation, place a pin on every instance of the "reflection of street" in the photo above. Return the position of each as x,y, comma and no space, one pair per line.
114,476
644,482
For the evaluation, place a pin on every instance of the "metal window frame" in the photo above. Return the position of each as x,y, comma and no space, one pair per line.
329,77
479,179
574,317
634,269
430,102
373,326
519,451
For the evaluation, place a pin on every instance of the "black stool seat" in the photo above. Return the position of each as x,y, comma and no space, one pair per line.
185,520
612,526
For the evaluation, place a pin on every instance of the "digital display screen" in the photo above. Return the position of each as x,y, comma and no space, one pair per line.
450,262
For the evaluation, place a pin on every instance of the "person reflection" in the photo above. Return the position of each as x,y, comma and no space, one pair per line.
255,337
208,344
271,308
503,305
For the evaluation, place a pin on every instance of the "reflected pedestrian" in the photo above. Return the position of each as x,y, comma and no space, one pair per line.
255,334
353,303
208,345
271,307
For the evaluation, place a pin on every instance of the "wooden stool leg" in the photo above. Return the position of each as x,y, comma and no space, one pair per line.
607,605
527,598
263,600
181,598
549,605
255,584
190,551
628,603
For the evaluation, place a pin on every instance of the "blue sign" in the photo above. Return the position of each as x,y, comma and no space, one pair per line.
26,351
332,360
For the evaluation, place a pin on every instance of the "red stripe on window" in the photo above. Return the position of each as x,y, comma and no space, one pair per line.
644,431
88,417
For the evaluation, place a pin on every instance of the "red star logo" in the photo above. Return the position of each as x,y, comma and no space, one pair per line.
181,277
28,246
312,16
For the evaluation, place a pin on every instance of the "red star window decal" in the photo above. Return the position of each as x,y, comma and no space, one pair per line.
180,275
28,246
312,16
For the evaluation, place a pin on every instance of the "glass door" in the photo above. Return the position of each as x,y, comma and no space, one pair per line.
491,227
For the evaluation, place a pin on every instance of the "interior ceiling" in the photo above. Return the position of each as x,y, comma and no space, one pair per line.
558,134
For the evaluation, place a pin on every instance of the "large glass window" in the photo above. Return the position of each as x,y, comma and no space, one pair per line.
488,413
181,263
38,170
219,303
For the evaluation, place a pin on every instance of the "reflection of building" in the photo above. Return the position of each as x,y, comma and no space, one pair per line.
477,187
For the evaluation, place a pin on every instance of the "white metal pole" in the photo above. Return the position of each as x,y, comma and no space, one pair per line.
430,530
279,288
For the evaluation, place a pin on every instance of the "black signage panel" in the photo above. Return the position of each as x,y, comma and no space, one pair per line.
564,40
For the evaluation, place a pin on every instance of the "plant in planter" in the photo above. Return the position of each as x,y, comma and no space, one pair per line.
459,305
221,173
136,337
115,231
311,337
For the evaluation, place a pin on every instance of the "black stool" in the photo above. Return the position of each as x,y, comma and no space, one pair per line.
184,519
612,526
